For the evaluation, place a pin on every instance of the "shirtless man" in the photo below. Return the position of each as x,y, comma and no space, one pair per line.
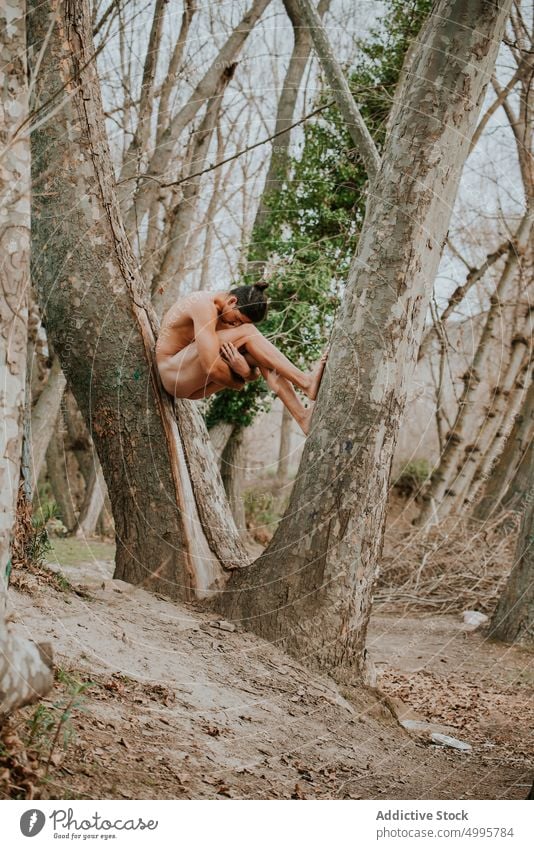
209,341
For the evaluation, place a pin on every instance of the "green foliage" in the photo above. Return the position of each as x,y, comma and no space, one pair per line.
413,477
311,231
48,725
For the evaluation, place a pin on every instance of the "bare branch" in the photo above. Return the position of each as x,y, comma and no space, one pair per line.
340,88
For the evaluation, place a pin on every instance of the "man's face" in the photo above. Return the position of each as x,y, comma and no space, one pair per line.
232,317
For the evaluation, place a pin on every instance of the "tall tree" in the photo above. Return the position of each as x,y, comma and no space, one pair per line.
102,329
311,590
25,668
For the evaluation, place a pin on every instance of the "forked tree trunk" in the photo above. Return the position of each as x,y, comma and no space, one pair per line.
311,591
103,330
25,669
277,171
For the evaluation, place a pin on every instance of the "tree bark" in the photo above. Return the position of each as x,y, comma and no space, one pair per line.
506,486
286,426
56,467
44,417
311,591
513,620
219,436
232,472
25,669
102,328
93,504
506,402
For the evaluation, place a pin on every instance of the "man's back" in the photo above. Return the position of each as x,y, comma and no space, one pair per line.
177,328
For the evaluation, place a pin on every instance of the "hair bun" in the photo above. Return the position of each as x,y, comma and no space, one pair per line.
261,285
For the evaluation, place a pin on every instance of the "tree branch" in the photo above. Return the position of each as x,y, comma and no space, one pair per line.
340,88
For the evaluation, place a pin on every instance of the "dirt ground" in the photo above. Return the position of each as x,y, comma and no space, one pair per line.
180,705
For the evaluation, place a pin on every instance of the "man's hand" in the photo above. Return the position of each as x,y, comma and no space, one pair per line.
236,361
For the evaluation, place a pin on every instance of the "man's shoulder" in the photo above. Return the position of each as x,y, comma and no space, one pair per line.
201,303
196,303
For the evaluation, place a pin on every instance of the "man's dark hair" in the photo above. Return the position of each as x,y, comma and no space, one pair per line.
252,300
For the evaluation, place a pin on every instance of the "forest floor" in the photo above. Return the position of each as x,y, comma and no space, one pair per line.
177,704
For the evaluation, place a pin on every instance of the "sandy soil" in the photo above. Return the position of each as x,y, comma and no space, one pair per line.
184,706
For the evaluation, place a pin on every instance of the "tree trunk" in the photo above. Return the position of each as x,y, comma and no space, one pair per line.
286,427
233,472
311,591
285,116
93,504
56,467
219,436
513,620
102,328
44,417
507,485
309,17
25,669
505,403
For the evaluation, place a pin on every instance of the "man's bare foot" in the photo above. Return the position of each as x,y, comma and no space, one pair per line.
315,377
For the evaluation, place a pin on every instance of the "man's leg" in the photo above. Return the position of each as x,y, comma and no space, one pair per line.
268,356
289,398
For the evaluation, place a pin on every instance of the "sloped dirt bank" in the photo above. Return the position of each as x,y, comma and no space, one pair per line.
182,706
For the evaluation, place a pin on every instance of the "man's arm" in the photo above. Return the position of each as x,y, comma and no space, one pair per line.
204,317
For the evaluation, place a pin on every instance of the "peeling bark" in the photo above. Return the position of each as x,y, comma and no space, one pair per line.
311,591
